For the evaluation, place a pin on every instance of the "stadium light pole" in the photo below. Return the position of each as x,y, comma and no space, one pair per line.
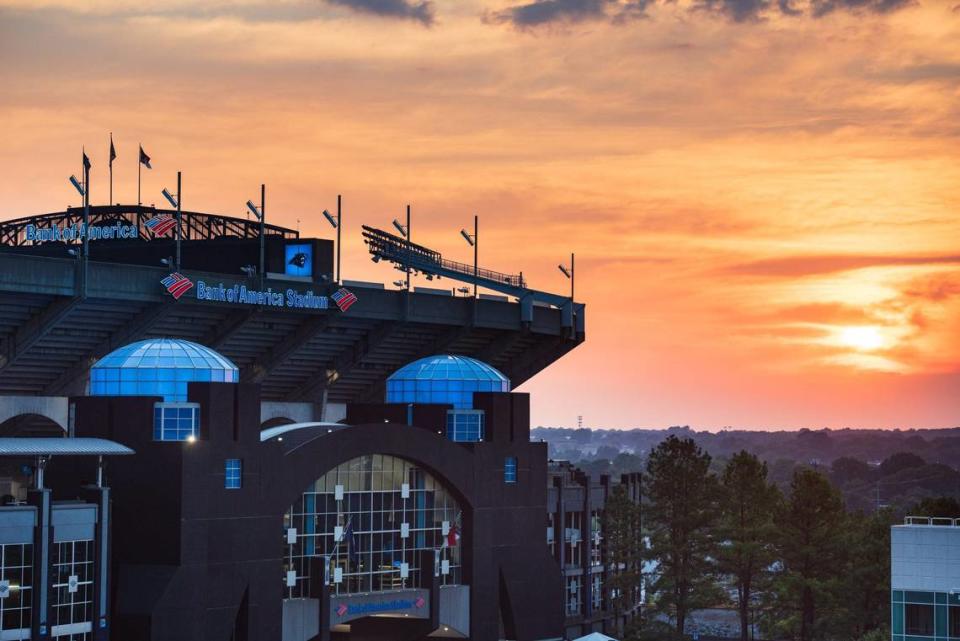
474,242
336,223
260,214
84,191
175,202
405,232
570,274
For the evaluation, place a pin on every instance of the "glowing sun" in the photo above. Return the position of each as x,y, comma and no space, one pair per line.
862,338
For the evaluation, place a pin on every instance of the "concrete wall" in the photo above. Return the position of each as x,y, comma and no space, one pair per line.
53,407
925,558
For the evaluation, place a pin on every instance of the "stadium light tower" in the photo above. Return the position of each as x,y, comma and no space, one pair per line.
175,203
336,223
260,214
570,274
473,241
405,232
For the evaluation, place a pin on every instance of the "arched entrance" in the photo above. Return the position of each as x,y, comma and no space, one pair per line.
362,529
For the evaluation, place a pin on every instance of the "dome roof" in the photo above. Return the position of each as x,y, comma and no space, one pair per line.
444,379
159,367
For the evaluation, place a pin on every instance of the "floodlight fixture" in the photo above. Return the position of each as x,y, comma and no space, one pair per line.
73,252
467,236
167,262
463,290
399,283
429,276
249,270
76,185
254,209
375,258
330,219
400,227
566,272
170,198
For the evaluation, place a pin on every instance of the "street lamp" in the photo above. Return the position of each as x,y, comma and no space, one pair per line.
175,203
260,214
336,224
473,241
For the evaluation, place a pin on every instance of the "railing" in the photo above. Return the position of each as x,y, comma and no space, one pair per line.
931,520
193,225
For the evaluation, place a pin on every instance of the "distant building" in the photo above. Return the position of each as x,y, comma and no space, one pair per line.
925,579
576,504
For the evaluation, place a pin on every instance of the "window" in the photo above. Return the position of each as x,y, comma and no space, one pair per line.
175,421
465,426
955,621
573,595
73,589
233,474
572,538
510,469
372,518
919,619
596,594
16,569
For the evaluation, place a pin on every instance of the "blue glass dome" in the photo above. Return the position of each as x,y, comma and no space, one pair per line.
159,367
444,379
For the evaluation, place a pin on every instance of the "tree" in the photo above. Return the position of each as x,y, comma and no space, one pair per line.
621,531
748,503
944,507
681,493
846,469
867,577
812,552
900,461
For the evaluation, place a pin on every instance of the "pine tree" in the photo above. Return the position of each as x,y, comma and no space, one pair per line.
746,530
623,539
681,494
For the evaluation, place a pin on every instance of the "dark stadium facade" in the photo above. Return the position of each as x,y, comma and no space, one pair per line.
204,449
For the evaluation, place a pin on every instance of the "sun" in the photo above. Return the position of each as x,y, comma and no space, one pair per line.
862,338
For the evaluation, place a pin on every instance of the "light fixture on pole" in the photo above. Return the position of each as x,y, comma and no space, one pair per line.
405,232
570,274
336,223
259,213
473,241
400,227
77,185
175,203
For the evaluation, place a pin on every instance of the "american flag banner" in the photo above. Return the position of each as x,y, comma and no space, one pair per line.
344,298
161,225
177,284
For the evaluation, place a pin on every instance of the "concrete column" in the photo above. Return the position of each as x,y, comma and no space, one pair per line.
42,544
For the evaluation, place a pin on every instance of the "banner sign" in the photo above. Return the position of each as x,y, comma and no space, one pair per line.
412,603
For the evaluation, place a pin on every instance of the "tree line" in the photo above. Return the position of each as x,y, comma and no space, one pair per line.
795,563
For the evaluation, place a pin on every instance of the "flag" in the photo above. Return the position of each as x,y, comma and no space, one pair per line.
344,298
177,285
144,158
113,151
353,552
161,224
86,161
453,537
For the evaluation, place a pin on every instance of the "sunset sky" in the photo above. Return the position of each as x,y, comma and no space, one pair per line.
764,197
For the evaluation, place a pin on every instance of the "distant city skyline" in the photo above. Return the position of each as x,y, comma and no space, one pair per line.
763,197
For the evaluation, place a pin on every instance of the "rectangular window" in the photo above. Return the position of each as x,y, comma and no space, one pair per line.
574,586
233,474
465,426
175,421
510,469
919,619
955,621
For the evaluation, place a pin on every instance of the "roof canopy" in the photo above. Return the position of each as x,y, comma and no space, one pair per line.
11,446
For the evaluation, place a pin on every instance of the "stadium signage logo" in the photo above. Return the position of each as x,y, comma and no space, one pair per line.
79,231
376,607
177,285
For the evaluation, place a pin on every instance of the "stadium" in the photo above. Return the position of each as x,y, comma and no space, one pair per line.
208,433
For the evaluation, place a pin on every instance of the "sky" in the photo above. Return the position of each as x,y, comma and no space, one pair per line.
763,196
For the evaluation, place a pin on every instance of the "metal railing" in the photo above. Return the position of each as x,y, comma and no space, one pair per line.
931,520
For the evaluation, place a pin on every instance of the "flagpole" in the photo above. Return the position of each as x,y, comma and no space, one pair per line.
179,232
263,275
139,156
111,169
86,221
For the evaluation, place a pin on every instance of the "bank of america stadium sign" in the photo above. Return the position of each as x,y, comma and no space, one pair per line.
159,225
177,285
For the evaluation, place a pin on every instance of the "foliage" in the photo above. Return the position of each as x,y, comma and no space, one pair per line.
621,530
807,600
944,507
746,529
866,589
681,493
900,461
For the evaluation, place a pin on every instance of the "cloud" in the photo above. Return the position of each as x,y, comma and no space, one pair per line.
823,7
544,12
740,10
809,265
422,12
